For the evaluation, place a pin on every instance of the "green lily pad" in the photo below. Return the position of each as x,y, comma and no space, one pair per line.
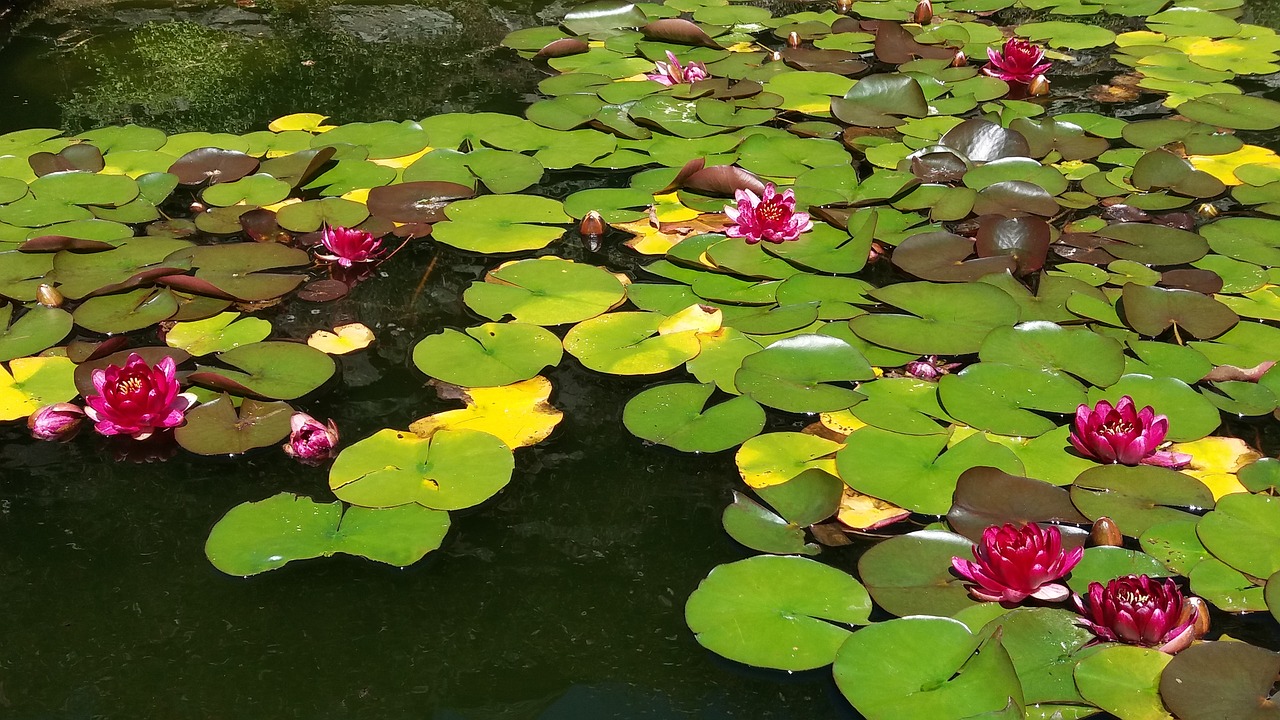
546,291
1238,112
1124,680
1137,498
1252,240
1102,564
487,355
271,369
451,470
945,320
1000,398
215,428
795,607
219,333
930,668
1175,544
808,498
126,312
1152,244
758,528
881,101
629,343
902,405
1043,642
1243,531
1226,588
1262,476
37,329
242,270
796,374
1091,357
677,415
501,223
79,275
259,536
312,215
917,472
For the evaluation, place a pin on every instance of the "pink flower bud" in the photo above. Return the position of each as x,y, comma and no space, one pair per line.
310,442
59,422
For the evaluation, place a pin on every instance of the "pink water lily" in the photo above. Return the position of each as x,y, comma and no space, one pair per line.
1017,62
137,399
1138,610
58,422
1123,434
348,246
1012,564
672,72
310,442
772,218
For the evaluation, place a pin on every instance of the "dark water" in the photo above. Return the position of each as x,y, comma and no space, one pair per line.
560,599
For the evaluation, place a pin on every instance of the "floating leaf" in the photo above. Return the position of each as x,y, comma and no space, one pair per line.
776,458
796,374
451,470
519,414
630,344
344,339
677,415
794,606
545,291
260,536
487,355
215,428
1244,532
1124,680
1137,498
277,370
219,333
1221,679
30,383
756,527
37,329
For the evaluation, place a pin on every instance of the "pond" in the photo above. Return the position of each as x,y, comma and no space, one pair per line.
559,588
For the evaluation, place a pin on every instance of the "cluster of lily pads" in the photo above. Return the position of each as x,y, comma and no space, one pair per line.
999,335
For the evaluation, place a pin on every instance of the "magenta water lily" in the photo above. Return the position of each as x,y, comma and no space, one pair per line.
672,72
137,399
1123,434
1017,62
310,441
929,367
1011,564
348,246
1138,610
772,218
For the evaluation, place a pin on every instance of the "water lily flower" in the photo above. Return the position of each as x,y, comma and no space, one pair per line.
773,218
1138,610
137,399
1017,62
1122,434
672,72
310,442
348,246
58,422
1012,564
929,367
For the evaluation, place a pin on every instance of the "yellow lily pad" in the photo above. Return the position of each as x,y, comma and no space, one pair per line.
1215,462
307,122
774,458
1224,167
519,414
863,512
30,383
343,340
698,318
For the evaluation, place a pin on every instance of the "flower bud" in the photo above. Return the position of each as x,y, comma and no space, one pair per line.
1208,211
592,225
1106,533
844,6
1039,86
310,442
776,56
59,422
196,207
793,40
1200,627
49,296
960,60
924,12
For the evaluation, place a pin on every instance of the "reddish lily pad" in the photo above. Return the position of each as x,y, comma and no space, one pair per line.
1220,680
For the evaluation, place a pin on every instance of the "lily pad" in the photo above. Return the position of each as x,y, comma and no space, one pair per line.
451,470
259,536
487,355
1124,680
1221,679
796,374
37,329
1137,498
546,291
30,383
629,343
215,428
501,223
222,332
927,668
677,415
272,369
796,609
758,528
1244,532
945,320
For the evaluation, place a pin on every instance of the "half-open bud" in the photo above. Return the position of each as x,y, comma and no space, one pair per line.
844,6
960,60
1039,86
793,40
58,422
1205,210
